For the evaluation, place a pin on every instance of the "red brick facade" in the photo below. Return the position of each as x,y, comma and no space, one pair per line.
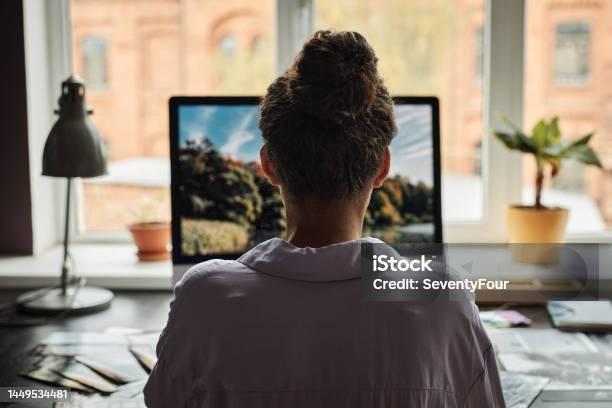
159,48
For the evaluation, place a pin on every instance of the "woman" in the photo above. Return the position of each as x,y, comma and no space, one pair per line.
285,325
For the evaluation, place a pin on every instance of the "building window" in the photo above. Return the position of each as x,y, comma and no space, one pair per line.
131,113
572,53
478,55
228,44
95,62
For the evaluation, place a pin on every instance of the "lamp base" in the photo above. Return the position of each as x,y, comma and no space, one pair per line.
84,300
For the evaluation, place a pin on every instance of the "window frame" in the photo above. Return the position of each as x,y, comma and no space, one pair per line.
502,85
47,51
503,92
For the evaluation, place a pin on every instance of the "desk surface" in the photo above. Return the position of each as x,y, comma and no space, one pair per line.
139,309
145,310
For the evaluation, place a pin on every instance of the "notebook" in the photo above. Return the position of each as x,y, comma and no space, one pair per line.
581,315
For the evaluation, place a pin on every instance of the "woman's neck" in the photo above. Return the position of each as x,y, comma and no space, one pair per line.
316,223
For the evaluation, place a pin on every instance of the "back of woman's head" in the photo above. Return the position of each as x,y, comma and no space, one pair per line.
328,120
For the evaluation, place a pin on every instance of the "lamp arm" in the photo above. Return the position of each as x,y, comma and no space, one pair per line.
66,267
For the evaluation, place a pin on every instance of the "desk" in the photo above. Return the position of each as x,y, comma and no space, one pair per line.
144,310
140,309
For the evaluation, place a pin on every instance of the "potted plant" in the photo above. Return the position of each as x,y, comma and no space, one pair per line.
150,234
538,223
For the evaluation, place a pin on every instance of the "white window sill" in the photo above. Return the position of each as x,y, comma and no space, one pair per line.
113,266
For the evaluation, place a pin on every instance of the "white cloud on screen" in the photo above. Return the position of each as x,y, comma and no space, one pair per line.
235,142
195,135
420,115
239,136
206,113
416,167
411,149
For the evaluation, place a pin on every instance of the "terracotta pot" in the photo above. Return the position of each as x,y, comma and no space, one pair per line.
152,239
528,225
543,226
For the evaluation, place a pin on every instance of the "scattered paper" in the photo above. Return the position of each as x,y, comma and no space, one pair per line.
126,396
81,338
521,390
47,376
547,341
120,366
90,362
566,370
69,368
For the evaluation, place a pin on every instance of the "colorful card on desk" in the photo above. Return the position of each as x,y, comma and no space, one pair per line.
503,318
514,318
581,315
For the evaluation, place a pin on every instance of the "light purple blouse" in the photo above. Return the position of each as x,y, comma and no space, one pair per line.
287,327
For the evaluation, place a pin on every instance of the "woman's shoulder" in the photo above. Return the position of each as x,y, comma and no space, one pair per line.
211,271
212,266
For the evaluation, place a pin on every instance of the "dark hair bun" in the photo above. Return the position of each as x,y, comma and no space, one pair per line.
335,76
328,120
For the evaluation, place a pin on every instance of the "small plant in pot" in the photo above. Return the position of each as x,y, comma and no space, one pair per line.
151,235
538,223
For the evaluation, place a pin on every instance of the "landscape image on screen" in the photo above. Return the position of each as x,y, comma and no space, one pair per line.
227,206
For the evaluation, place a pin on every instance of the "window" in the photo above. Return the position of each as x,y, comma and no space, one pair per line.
572,53
228,44
427,47
578,55
94,52
419,44
159,49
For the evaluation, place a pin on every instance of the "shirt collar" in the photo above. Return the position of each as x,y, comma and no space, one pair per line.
282,259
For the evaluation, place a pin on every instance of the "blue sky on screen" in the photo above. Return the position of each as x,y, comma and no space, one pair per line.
233,131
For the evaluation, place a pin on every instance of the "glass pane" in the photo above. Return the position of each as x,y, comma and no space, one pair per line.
430,47
567,74
134,55
572,49
94,52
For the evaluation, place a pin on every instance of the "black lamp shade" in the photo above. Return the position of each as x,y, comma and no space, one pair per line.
74,147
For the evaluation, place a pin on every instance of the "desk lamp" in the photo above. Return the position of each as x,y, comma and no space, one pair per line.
73,148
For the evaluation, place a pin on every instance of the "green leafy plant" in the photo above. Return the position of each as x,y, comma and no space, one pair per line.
548,149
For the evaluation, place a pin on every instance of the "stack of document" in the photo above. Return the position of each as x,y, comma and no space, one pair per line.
568,361
99,367
521,390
